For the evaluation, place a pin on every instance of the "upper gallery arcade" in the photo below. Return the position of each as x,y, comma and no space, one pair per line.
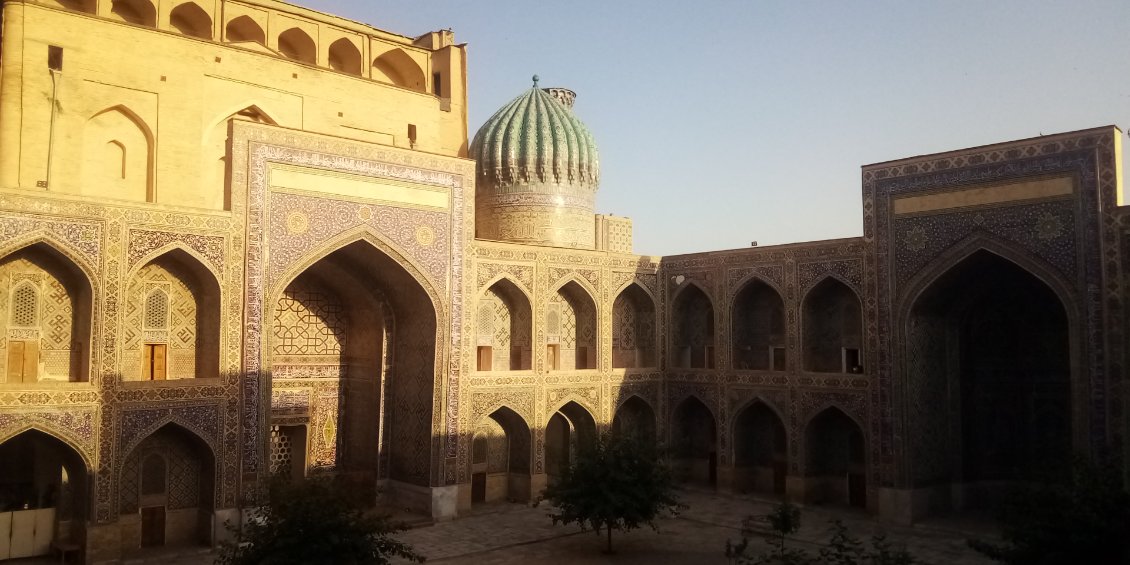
132,99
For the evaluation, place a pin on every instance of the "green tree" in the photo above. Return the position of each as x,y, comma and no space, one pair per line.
616,483
314,521
1084,520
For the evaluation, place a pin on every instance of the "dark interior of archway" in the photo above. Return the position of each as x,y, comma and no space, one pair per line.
759,324
836,462
518,439
359,273
759,450
693,443
32,476
833,328
633,329
635,419
694,330
996,338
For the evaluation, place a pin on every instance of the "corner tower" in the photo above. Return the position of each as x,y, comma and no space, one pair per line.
537,172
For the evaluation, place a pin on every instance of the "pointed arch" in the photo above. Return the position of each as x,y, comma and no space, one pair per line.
694,441
174,470
989,343
572,341
835,458
402,362
692,332
760,444
504,327
190,19
396,67
139,12
345,57
57,432
635,417
832,328
570,428
758,333
634,328
57,347
125,172
188,344
215,154
87,6
296,44
243,29
45,473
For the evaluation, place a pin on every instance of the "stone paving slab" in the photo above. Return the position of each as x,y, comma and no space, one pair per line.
511,534
518,534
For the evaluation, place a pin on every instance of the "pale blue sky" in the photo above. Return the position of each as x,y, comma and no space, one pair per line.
724,122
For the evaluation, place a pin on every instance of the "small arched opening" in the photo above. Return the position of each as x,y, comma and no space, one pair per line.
693,331
43,495
500,458
760,463
836,471
694,443
833,328
633,329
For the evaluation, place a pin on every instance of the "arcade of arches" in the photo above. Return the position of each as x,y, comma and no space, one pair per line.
275,281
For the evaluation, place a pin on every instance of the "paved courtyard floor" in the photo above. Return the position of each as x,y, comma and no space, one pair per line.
520,534
514,533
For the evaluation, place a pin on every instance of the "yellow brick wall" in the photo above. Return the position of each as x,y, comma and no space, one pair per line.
141,112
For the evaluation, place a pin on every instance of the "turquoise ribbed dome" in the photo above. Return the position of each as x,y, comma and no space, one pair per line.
536,140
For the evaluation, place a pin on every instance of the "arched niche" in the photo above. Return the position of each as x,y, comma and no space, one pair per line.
693,333
345,57
833,328
760,448
836,460
758,332
139,12
45,314
396,67
190,19
694,443
88,6
172,320
358,318
297,44
635,418
215,168
45,493
571,329
503,329
117,159
568,430
167,490
500,458
988,381
633,329
244,29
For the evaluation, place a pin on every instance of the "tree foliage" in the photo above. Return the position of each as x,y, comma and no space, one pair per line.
1084,520
841,549
314,521
616,483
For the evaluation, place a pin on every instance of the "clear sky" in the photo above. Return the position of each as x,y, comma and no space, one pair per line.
725,122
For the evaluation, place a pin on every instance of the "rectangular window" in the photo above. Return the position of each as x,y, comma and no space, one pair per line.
851,360
516,358
552,359
23,361
153,362
777,358
54,57
437,84
486,358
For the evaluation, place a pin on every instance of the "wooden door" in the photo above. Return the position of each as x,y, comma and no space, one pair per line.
153,526
23,361
153,362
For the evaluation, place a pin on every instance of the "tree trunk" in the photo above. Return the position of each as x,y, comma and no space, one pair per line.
609,529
